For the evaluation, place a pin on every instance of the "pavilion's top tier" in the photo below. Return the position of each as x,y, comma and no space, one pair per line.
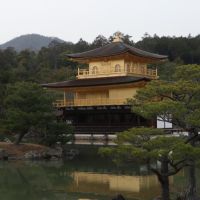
116,59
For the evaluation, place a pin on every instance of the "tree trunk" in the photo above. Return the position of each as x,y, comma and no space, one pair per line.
191,192
164,180
165,188
19,138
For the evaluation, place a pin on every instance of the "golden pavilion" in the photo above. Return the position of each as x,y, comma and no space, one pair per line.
96,101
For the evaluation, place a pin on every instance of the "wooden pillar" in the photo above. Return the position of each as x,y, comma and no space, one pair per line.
64,98
156,72
145,71
109,122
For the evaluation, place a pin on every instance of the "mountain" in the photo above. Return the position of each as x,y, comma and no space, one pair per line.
32,42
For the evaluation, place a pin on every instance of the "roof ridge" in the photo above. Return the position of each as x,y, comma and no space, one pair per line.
115,48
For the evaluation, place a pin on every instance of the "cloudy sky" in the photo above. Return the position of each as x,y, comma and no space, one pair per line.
73,19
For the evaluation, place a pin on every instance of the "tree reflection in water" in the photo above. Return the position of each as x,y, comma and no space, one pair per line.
78,179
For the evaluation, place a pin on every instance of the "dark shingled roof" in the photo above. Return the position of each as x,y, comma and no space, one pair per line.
113,49
95,82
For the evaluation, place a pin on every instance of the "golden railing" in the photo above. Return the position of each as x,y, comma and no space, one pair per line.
85,73
134,70
143,71
89,102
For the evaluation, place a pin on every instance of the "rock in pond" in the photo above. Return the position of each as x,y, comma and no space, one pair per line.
33,155
56,153
70,154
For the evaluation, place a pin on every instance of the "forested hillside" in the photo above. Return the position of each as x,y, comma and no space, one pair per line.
33,42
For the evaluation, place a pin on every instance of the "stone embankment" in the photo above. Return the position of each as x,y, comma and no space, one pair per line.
9,151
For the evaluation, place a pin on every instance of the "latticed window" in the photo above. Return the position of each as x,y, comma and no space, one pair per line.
117,68
94,70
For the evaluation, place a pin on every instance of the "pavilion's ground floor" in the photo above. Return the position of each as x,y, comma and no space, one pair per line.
102,119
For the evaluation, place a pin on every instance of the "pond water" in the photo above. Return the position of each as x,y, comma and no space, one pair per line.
82,178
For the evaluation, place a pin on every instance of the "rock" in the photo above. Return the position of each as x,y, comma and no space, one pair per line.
57,152
53,158
33,155
7,140
50,154
71,154
3,155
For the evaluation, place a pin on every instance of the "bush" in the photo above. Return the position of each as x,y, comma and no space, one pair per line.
58,133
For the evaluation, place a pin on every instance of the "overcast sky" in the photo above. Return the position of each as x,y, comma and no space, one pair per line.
73,19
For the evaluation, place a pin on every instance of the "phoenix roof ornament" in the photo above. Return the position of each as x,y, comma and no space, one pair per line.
118,37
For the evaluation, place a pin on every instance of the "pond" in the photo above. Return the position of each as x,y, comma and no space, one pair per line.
83,178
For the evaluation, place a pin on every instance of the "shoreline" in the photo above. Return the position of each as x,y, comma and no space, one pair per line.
29,151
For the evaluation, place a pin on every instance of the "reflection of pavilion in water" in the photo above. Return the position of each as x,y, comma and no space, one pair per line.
143,187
